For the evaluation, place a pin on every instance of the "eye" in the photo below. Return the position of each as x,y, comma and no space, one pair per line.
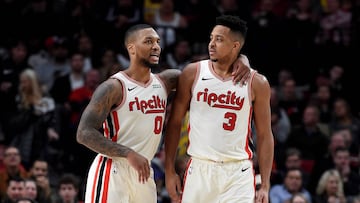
148,41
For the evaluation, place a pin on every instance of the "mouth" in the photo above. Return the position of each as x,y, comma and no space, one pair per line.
211,51
154,57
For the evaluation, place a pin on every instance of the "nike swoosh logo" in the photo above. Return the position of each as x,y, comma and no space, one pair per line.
129,89
206,78
244,169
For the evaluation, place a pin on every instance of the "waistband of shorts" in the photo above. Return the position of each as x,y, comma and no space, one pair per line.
209,161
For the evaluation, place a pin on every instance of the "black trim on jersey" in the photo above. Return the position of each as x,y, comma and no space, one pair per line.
99,185
111,126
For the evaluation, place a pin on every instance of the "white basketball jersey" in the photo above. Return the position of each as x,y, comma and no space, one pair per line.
138,121
220,117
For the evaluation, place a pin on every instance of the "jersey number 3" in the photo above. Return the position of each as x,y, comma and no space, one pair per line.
231,120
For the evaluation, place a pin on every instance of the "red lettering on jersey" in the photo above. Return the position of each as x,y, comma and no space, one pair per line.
153,105
224,101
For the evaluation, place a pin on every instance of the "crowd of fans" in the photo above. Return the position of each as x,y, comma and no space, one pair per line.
53,55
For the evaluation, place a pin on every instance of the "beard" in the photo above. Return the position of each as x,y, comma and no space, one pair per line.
149,65
213,60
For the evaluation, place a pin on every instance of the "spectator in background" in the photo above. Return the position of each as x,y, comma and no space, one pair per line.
58,64
308,137
13,168
322,98
326,160
293,160
34,125
31,192
330,188
349,177
40,172
180,54
108,64
10,70
167,22
63,85
293,184
15,190
354,153
68,189
85,46
292,100
336,81
343,118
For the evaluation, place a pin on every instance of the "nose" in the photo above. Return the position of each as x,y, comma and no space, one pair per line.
211,44
156,47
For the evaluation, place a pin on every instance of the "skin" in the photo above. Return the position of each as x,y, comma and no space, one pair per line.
224,50
144,45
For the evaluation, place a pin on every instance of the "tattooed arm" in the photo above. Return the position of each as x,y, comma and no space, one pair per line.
170,78
107,95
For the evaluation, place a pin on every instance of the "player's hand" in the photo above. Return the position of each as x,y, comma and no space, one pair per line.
262,196
140,164
241,70
173,186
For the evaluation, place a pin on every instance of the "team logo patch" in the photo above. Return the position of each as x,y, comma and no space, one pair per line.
156,86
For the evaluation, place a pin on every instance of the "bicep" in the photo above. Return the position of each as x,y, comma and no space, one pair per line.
262,112
107,95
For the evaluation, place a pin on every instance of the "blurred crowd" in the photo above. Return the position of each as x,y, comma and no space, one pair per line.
54,53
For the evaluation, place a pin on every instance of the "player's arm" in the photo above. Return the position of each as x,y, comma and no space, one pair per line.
264,141
106,96
170,78
179,108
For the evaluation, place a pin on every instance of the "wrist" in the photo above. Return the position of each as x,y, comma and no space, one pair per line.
129,153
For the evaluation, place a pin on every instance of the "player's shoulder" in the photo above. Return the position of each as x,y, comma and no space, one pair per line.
259,77
191,68
260,80
110,86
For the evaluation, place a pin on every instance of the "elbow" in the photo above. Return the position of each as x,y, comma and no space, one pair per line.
80,137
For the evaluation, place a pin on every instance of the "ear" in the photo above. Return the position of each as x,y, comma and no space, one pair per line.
237,45
131,49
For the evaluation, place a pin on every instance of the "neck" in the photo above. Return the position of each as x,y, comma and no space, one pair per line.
140,74
223,69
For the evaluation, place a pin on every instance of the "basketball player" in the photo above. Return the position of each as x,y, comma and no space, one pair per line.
130,108
220,116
